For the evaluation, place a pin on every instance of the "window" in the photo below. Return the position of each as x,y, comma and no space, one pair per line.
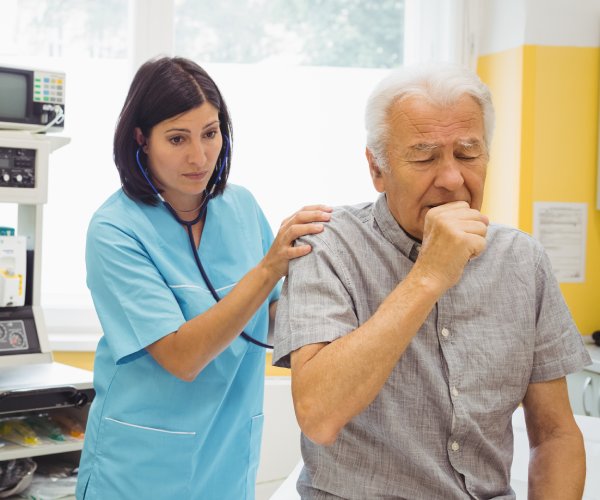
337,33
295,74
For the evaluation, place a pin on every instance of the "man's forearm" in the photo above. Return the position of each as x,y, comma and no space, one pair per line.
334,383
557,469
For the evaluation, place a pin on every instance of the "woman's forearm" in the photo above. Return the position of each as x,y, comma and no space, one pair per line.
185,352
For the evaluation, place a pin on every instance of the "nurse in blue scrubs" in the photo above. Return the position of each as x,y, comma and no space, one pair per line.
178,406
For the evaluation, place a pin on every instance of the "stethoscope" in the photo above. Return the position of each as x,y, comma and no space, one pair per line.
208,194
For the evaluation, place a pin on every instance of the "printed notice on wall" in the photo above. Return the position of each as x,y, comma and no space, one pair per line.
562,229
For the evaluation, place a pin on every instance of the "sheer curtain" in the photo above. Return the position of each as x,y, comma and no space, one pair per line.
442,31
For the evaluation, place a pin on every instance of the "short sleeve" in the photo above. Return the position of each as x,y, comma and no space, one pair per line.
559,348
315,304
134,304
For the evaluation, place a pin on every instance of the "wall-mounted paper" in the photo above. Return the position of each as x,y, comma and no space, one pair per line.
562,229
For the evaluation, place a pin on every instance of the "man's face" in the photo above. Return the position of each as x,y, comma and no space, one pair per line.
436,155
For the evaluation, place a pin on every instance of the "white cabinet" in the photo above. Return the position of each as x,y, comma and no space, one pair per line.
584,387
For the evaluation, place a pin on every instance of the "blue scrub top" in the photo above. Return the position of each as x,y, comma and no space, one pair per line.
150,434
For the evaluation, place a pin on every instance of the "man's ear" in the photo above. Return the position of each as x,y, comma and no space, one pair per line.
140,139
375,171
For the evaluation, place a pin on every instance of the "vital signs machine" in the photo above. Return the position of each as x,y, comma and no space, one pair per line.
29,378
24,183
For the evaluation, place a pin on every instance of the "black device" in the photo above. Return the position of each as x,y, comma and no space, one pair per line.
17,167
31,99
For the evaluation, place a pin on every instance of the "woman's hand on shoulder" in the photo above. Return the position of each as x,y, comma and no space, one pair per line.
307,220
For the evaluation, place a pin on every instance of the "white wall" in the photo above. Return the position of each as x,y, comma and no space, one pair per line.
502,25
574,23
507,24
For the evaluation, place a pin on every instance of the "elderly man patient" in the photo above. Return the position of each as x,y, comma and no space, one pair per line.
415,327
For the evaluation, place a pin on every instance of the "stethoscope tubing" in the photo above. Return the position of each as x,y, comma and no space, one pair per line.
209,284
208,194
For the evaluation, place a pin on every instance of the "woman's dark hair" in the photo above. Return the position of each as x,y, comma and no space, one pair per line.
163,88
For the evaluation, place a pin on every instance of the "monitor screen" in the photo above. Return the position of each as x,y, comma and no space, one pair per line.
13,95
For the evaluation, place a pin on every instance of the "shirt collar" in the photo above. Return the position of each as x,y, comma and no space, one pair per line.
392,231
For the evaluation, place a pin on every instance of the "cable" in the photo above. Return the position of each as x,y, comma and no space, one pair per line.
59,117
207,281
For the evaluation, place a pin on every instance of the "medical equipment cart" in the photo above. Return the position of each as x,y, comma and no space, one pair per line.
30,381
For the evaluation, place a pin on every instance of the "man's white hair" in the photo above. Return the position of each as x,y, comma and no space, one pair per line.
442,86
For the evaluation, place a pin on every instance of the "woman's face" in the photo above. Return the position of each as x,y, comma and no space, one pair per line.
182,153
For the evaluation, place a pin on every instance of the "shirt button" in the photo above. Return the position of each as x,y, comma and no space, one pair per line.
445,332
454,391
455,446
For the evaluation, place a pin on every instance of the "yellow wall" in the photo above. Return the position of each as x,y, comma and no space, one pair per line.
556,126
275,371
83,360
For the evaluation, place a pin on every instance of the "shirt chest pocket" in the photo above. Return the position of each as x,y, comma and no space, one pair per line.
497,369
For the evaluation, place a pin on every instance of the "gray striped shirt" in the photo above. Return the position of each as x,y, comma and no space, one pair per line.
441,426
